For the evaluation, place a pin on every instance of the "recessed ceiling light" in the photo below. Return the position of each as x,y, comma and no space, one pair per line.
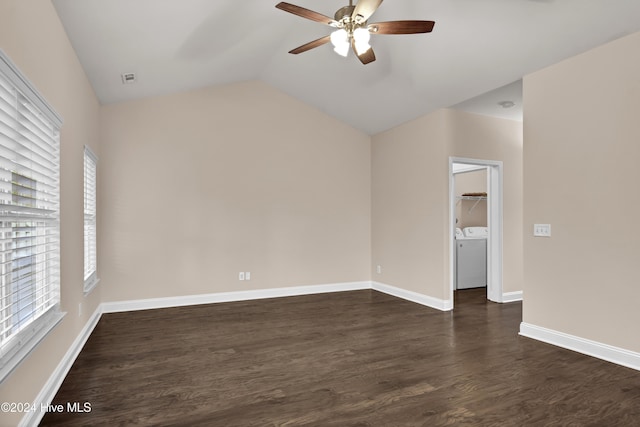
506,104
128,78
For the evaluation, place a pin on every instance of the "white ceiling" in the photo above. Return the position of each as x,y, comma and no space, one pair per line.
489,103
476,47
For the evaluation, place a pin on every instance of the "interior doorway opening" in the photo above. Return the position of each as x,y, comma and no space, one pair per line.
494,205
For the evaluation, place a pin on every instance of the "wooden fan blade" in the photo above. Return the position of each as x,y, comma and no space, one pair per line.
311,45
306,13
365,8
401,27
364,57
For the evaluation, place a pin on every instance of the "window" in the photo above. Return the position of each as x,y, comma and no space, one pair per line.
29,217
90,225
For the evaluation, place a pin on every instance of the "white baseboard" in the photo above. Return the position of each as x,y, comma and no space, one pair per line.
48,392
179,301
596,349
438,304
512,296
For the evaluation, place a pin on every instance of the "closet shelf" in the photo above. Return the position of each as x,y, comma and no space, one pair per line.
471,197
478,199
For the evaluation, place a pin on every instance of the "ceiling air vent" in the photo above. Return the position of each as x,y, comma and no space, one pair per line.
128,78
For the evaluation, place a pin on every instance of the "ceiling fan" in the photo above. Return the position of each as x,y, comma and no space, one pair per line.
352,30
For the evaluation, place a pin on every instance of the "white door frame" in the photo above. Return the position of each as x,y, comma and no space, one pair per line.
494,222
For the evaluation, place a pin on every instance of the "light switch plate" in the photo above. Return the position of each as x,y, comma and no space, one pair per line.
542,230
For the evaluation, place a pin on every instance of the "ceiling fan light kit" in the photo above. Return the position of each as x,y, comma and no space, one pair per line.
353,31
340,42
361,37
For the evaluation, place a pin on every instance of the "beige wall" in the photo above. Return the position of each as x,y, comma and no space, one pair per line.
32,36
410,196
410,206
471,213
242,177
582,134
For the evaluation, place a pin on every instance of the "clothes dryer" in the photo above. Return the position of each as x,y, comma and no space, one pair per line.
471,258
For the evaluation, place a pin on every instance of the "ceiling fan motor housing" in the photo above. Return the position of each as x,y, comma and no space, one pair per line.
343,12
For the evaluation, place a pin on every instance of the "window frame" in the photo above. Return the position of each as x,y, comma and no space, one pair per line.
18,345
90,219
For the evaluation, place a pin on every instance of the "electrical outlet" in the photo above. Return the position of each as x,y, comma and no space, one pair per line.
247,275
241,275
379,269
542,230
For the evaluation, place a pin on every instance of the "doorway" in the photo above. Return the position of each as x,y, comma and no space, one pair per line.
494,223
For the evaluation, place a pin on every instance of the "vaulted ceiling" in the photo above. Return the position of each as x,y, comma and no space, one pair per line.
477,47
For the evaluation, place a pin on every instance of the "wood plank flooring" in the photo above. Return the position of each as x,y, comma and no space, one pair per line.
358,358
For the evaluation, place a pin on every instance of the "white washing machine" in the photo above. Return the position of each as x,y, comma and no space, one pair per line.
471,258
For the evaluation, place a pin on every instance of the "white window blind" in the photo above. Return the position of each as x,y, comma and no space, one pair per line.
90,224
29,217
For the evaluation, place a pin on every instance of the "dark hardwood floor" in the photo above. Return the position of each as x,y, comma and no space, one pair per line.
346,359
